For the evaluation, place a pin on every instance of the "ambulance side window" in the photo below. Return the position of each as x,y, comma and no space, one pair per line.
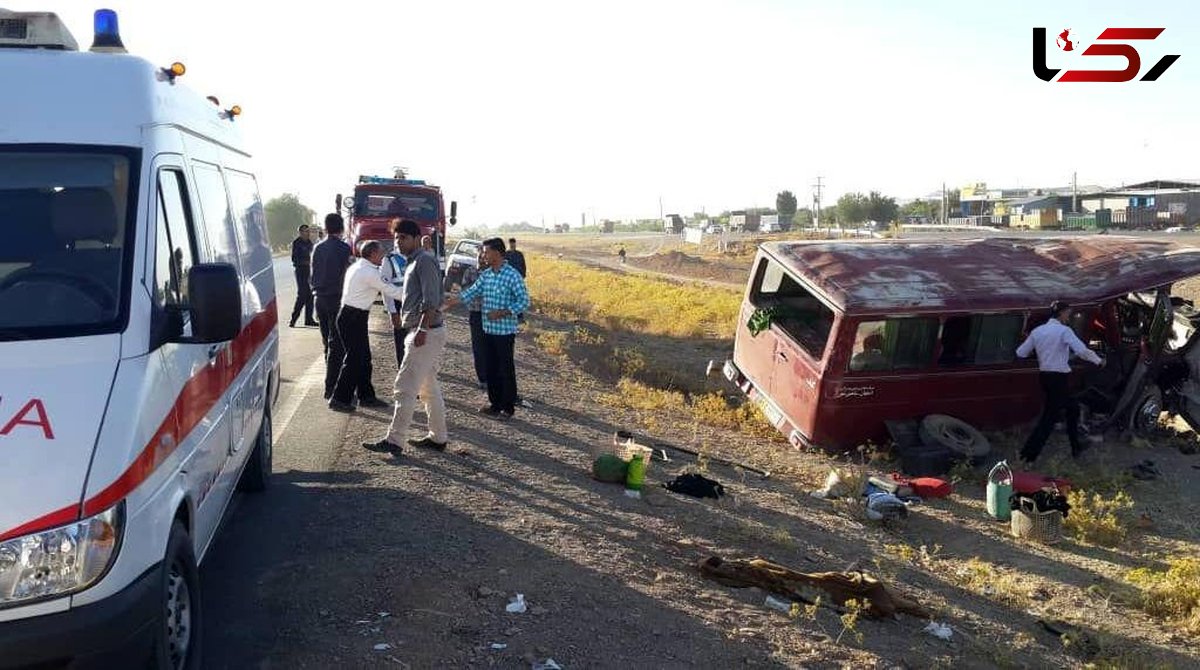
176,246
218,220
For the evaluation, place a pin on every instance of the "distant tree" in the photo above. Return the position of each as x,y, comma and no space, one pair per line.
284,215
801,219
852,208
881,208
829,216
608,226
785,203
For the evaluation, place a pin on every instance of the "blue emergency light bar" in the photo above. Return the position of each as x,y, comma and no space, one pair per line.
364,179
107,34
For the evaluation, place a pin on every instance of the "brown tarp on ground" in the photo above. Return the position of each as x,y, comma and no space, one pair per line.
878,599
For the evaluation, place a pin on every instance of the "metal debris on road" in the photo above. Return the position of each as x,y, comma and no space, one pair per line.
382,646
548,664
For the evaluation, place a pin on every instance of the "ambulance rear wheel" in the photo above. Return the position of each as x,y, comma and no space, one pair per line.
177,643
256,476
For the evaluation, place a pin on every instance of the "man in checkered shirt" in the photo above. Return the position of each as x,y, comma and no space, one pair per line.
504,297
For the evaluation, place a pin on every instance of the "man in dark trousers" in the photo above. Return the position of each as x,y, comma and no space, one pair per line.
475,319
363,284
330,258
1054,342
504,297
302,248
392,271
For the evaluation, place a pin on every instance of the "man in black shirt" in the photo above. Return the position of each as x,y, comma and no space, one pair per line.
330,258
514,257
302,248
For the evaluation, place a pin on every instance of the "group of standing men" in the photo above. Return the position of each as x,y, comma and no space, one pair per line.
410,280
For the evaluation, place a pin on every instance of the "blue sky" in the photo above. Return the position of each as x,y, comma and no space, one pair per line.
532,110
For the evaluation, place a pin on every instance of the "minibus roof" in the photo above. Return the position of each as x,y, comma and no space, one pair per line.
982,274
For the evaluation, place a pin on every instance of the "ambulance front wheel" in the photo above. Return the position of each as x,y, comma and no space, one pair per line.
177,644
257,474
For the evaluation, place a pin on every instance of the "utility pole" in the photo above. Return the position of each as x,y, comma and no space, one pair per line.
660,209
817,204
945,203
1074,192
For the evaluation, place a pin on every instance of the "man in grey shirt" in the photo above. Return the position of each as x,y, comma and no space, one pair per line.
421,316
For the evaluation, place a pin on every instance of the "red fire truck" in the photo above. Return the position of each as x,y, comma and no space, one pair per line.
378,200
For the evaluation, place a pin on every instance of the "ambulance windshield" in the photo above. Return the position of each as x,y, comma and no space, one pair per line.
63,224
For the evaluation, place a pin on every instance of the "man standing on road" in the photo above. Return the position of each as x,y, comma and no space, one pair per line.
475,317
1054,342
363,284
504,297
302,248
330,258
392,271
421,315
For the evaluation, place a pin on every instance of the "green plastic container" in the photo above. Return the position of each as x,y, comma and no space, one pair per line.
636,475
999,488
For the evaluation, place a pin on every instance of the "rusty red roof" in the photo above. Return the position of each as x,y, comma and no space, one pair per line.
983,273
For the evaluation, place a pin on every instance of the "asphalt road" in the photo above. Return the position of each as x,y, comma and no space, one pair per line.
259,536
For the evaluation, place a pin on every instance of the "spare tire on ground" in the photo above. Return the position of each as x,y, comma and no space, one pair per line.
957,435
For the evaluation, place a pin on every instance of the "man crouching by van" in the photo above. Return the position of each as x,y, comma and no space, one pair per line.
1054,342
421,316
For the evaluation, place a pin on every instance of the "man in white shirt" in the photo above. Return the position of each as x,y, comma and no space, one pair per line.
363,283
1054,342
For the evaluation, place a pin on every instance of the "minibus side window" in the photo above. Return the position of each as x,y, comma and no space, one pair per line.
980,339
894,344
797,311
176,245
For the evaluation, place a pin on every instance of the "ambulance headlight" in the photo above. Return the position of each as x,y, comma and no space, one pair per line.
61,560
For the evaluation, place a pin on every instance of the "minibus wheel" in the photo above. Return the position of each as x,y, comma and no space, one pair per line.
177,644
1143,418
256,476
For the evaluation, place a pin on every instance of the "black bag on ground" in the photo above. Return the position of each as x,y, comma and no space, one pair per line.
697,486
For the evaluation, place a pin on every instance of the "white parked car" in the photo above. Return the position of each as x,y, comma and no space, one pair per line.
465,255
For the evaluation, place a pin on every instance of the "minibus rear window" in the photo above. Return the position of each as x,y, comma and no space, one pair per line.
797,311
64,219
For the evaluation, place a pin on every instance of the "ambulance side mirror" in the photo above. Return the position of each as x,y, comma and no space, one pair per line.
215,298
453,212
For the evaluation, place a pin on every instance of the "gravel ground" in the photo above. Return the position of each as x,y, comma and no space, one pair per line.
409,562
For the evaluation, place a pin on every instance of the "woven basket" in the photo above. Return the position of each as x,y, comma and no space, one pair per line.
623,446
1030,524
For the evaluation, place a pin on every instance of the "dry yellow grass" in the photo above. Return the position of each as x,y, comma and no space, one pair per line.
1097,519
568,290
1173,594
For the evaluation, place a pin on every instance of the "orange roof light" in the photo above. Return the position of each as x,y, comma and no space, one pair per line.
236,110
170,73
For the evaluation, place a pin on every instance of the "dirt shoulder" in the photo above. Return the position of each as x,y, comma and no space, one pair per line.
422,553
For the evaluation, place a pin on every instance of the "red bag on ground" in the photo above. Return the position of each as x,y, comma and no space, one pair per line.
1032,482
931,487
925,487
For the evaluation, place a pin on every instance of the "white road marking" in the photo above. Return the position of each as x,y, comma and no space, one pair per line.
301,387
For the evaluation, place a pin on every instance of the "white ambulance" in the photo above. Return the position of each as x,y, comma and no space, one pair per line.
138,347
